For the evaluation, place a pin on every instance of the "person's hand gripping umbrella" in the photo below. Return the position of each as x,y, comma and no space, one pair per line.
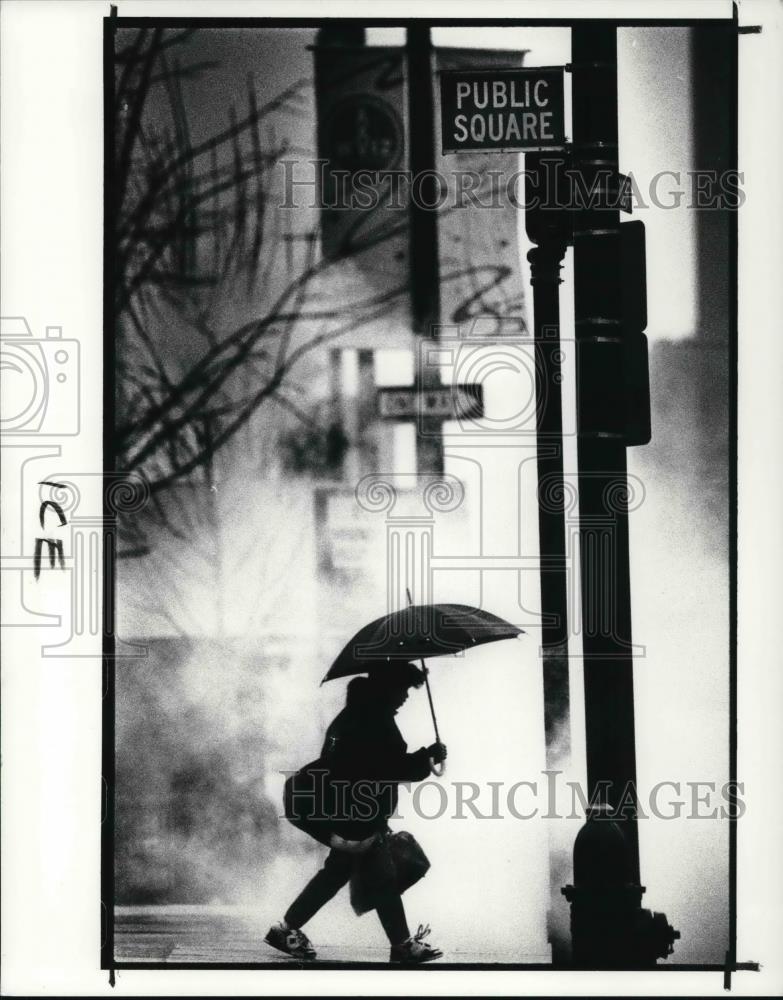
417,632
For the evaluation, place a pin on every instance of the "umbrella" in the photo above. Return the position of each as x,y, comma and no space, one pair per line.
418,631
415,632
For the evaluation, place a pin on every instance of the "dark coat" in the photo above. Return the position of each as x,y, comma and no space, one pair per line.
367,758
356,778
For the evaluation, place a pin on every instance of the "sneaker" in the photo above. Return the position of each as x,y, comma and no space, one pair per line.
290,940
415,950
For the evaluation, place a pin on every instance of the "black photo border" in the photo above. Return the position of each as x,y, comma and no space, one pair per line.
110,24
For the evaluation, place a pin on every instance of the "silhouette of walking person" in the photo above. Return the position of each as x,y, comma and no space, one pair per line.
364,757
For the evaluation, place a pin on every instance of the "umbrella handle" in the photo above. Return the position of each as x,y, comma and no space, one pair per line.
438,769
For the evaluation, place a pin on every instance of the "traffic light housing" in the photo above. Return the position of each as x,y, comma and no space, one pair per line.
613,379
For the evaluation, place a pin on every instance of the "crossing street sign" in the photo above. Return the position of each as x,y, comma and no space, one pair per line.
416,402
502,110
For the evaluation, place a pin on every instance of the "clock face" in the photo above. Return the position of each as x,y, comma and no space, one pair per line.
363,133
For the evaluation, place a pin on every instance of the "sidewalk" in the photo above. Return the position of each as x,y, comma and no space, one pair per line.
223,935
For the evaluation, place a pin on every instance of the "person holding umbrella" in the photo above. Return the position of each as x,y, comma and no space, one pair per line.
366,758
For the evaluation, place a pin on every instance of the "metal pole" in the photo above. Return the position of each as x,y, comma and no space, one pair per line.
608,926
423,224
423,247
545,263
603,521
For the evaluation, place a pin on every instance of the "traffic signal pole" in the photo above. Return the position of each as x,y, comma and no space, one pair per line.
602,475
608,926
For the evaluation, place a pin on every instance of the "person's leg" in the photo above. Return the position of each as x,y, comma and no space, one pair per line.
320,889
391,914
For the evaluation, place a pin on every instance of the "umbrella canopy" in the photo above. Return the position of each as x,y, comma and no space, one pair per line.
419,631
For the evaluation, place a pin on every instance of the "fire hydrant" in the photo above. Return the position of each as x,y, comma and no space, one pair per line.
609,928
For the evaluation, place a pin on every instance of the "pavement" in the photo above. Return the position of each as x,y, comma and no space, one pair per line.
224,935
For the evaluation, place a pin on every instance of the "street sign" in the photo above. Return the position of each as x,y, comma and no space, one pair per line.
411,402
499,110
